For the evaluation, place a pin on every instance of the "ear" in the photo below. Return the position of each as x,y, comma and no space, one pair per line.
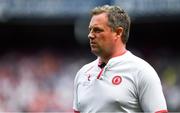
119,32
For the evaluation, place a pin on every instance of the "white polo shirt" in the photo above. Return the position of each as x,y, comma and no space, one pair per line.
126,84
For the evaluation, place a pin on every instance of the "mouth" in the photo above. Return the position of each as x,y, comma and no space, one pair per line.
92,44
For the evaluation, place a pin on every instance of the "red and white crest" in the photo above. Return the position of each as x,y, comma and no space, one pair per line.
116,80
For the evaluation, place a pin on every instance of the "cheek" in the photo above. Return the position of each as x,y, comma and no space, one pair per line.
104,40
105,45
107,40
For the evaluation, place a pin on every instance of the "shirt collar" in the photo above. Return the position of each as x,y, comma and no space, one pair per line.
102,64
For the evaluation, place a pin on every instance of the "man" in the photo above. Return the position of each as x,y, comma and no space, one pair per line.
117,81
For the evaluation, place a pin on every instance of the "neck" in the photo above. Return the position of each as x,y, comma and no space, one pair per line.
117,52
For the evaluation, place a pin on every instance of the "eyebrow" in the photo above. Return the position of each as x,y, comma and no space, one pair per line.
90,27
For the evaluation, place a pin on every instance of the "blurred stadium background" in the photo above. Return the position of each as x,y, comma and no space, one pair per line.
44,42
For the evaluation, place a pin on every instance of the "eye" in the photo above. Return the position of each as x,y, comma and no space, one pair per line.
97,30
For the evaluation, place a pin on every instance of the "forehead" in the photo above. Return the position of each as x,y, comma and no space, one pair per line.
99,20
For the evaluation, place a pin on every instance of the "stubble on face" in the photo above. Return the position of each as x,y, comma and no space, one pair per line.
100,35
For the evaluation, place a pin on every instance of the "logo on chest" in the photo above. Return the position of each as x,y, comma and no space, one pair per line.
116,80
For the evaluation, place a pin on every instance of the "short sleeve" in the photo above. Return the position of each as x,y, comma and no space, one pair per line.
150,92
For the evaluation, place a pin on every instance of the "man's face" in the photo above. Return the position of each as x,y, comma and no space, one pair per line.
101,36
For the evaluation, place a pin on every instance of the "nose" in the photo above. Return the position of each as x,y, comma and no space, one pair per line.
90,35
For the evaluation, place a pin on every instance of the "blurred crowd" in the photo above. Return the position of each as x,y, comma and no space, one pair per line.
43,81
37,82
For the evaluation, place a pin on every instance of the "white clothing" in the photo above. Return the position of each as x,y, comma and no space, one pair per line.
126,84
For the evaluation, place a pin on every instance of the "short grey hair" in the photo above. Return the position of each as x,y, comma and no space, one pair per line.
117,17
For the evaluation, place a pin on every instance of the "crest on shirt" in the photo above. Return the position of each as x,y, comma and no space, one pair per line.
116,80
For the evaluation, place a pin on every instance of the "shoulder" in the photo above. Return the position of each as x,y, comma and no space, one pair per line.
85,68
140,64
88,66
145,73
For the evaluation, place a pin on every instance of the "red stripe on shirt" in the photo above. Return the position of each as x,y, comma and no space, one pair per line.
162,111
100,73
76,111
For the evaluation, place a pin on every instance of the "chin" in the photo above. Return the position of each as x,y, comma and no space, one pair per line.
95,51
